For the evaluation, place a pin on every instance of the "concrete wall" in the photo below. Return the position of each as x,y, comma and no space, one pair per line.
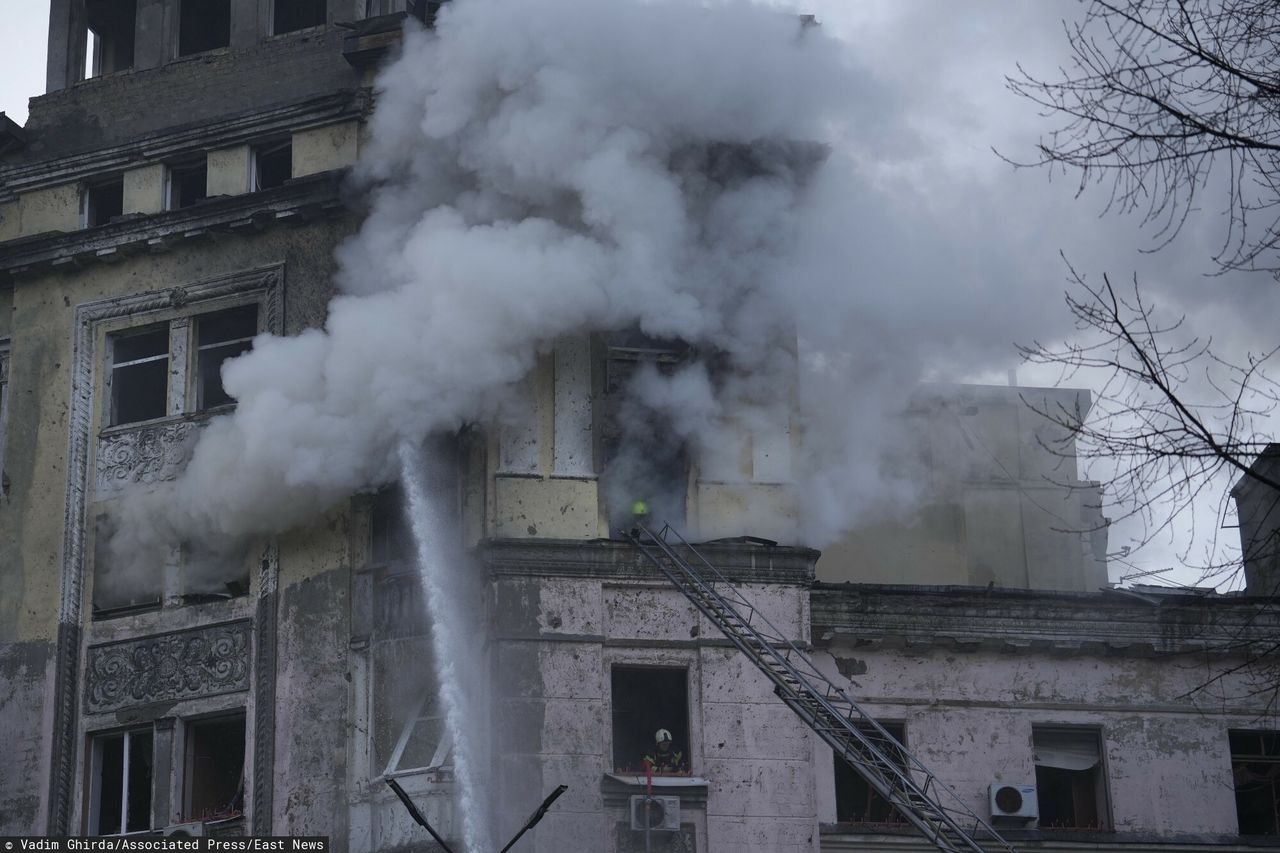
1000,499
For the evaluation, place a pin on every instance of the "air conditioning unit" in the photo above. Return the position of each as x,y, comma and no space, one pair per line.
1014,801
193,829
656,813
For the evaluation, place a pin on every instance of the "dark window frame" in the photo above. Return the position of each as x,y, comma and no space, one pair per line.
632,730
875,809
119,381
302,16
200,39
176,176
1088,788
101,201
1253,773
97,761
191,728
267,161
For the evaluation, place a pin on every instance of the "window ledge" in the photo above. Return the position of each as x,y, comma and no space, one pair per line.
618,788
186,417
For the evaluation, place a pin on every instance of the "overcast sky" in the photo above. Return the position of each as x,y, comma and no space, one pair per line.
942,108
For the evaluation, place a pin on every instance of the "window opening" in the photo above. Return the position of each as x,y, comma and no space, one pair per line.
139,375
423,743
291,15
646,700
856,800
220,337
645,462
1255,772
109,29
100,203
215,768
188,183
391,543
203,25
120,799
1070,785
272,165
408,722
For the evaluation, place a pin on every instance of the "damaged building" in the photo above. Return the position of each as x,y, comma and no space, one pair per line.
179,190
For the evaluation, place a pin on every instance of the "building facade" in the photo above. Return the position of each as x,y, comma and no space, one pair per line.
179,190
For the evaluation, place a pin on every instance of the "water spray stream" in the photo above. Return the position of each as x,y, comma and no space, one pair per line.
444,587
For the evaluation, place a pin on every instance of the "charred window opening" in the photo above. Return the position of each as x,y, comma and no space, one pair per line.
109,36
1255,772
102,202
290,15
408,721
214,768
120,793
120,588
139,375
856,800
272,165
646,463
203,25
647,699
1070,785
219,337
188,183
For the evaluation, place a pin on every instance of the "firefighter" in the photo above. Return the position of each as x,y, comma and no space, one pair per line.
664,757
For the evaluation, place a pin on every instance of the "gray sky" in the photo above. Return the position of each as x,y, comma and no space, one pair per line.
942,108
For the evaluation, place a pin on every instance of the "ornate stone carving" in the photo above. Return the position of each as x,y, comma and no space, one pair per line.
200,662
142,456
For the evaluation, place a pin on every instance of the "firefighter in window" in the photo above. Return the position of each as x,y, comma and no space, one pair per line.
665,758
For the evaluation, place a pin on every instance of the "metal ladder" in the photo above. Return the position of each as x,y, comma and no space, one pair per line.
886,765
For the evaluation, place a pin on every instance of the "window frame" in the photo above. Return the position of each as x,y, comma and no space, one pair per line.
1101,785
268,148
1242,758
896,729
186,791
646,732
170,171
177,32
88,206
96,742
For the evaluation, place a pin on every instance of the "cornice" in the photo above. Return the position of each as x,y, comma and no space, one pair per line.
971,618
302,199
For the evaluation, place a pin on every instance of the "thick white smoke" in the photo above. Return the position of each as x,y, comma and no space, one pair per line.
541,167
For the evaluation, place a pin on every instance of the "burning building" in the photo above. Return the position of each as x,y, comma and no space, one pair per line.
236,289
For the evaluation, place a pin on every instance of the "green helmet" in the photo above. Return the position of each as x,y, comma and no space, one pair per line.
639,508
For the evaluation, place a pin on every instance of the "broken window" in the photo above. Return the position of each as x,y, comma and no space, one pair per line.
1070,784
646,463
188,183
102,202
139,375
1255,771
290,15
856,800
109,26
272,165
408,721
120,791
203,25
219,337
646,699
214,768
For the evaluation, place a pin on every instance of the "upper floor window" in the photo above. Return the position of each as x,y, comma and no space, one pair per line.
101,202
856,800
213,768
120,782
176,367
203,25
1070,784
290,15
1255,772
109,29
187,184
272,165
650,706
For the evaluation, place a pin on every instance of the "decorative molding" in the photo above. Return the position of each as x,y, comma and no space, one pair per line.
264,692
142,456
199,662
88,318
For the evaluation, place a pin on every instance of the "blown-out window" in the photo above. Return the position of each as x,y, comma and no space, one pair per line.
647,699
1070,784
213,770
188,183
1255,772
109,29
203,25
856,800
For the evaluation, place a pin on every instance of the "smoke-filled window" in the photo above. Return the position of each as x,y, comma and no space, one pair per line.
648,700
646,463
220,336
121,782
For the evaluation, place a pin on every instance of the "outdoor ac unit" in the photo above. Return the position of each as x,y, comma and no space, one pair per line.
185,830
1014,801
657,813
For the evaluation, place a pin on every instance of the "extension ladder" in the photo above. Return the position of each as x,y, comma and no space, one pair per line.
886,765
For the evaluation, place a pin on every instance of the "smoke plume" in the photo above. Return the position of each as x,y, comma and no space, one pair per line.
700,171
